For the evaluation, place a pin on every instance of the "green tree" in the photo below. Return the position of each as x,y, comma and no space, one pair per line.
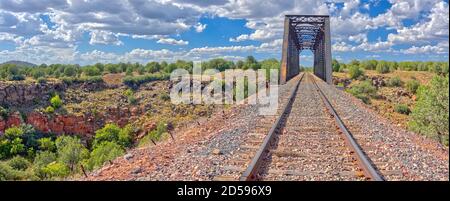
153,67
55,169
104,152
113,133
70,71
70,151
430,114
335,64
41,160
46,144
355,72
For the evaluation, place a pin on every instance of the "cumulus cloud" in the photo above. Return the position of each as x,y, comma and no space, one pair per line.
171,41
200,27
104,37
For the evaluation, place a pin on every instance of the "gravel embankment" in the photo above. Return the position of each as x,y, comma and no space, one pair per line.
397,153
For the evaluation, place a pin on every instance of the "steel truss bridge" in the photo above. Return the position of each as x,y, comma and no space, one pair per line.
306,32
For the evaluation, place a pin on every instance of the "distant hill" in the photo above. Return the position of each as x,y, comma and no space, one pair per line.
20,63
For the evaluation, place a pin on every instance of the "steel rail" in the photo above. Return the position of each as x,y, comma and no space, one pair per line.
252,168
363,160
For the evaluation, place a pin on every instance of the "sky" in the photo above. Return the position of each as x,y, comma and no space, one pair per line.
91,31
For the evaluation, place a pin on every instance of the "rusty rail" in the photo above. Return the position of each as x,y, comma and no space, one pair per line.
364,162
252,169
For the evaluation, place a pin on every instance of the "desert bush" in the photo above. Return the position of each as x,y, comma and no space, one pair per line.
70,151
402,109
164,96
79,80
8,173
363,91
156,134
4,112
382,67
430,115
19,163
125,136
113,133
136,81
16,77
55,169
355,72
91,71
46,144
104,152
56,102
13,132
41,160
37,73
70,71
394,82
412,86
49,110
41,80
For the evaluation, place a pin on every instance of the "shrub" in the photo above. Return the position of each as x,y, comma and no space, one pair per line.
19,163
113,133
363,91
17,147
37,73
4,112
402,109
49,110
41,160
16,77
125,136
430,116
70,71
79,80
130,95
14,132
395,82
355,72
382,67
56,102
164,96
46,144
91,71
55,169
136,81
412,86
104,152
161,128
41,80
70,151
109,133
8,173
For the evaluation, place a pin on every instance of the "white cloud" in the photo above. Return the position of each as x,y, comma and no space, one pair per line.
105,38
200,27
171,41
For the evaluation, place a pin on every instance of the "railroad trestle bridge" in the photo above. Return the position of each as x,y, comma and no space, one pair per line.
306,32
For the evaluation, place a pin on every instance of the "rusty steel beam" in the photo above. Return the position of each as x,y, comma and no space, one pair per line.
306,32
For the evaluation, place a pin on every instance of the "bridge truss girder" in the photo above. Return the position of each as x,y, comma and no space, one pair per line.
306,32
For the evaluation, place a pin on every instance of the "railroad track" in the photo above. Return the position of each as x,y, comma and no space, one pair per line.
306,141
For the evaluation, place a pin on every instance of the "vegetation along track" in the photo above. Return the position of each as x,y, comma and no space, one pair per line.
308,141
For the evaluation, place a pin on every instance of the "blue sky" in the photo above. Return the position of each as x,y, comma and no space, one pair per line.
86,32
